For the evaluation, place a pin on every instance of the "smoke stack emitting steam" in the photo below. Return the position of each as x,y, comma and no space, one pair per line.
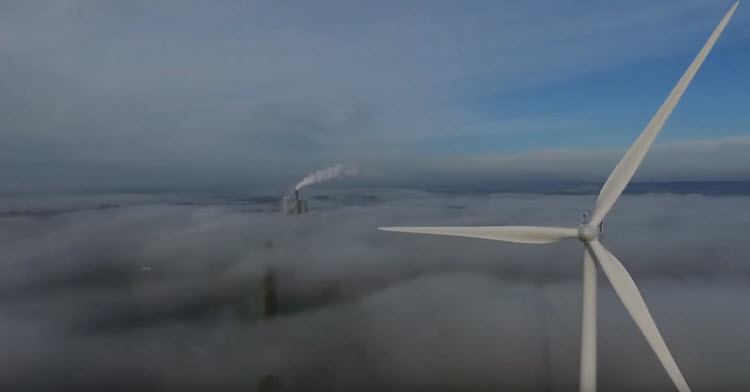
292,203
333,172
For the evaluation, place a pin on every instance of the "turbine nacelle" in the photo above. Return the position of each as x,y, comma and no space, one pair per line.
588,232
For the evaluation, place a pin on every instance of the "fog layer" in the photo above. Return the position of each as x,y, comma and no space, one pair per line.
145,292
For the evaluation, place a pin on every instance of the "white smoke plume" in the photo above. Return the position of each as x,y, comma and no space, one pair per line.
335,171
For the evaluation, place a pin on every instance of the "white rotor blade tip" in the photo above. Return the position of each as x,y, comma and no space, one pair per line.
626,168
522,234
628,293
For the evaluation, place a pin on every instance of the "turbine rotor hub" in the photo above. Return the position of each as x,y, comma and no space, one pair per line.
588,232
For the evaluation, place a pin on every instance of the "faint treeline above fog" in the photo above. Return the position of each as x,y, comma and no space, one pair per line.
360,309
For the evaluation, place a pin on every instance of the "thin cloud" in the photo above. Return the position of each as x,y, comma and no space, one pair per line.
149,93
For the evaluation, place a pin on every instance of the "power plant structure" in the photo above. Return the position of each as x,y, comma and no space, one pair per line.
293,205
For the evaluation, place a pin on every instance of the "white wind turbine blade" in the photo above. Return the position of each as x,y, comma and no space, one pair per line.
628,293
523,234
624,170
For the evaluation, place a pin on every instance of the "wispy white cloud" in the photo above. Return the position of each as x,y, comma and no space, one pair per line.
697,159
190,89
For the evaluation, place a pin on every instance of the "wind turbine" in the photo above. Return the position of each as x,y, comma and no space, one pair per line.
593,251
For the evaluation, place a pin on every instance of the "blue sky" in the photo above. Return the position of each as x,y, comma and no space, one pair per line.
609,108
195,94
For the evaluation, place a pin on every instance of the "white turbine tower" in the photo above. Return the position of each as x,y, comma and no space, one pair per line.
593,251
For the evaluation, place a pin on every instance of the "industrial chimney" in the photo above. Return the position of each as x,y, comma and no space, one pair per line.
293,205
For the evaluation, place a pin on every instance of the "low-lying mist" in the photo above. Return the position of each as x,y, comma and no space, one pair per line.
167,292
